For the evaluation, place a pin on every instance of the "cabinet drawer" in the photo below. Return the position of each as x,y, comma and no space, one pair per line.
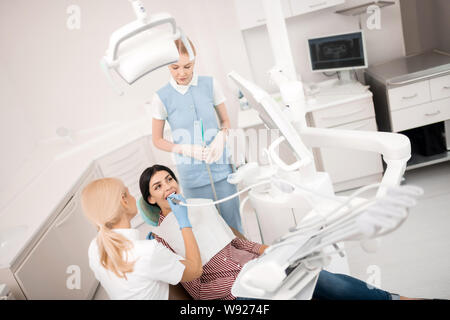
59,257
410,95
440,88
344,165
335,116
420,115
305,6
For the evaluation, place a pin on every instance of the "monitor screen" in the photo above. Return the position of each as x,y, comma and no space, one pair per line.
339,52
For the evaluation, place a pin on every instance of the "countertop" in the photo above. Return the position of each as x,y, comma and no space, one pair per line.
410,68
322,100
55,170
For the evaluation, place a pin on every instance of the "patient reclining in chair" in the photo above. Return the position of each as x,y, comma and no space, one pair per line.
223,254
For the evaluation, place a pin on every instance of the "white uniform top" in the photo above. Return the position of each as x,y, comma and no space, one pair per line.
155,267
159,110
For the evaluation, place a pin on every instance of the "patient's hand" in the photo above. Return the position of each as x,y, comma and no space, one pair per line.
262,249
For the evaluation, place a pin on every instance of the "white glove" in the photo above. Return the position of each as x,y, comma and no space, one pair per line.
216,147
192,150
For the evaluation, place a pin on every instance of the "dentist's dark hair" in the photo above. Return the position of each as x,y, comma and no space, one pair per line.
144,180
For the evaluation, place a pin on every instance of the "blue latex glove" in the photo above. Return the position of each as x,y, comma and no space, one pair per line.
180,212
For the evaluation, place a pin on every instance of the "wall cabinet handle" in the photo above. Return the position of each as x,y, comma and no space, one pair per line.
446,87
433,113
410,97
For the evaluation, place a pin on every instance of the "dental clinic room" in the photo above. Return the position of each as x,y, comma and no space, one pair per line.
328,119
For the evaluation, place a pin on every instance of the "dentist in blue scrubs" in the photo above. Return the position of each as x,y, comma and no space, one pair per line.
190,104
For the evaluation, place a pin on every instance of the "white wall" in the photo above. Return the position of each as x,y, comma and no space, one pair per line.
426,25
382,45
443,24
51,76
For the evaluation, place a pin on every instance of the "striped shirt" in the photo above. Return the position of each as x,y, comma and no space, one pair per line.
220,272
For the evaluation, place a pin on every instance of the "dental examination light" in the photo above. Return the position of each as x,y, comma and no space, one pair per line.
142,46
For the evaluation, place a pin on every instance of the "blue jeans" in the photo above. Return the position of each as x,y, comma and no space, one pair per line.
334,286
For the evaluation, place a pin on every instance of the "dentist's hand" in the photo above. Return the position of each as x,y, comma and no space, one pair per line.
191,150
216,147
180,212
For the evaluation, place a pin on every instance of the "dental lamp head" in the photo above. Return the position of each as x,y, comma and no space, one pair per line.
142,46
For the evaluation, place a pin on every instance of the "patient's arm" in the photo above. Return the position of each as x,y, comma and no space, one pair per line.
212,290
249,246
238,234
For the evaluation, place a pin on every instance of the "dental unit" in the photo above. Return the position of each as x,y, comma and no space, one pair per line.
289,268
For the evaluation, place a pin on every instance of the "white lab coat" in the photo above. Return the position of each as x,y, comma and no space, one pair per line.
155,267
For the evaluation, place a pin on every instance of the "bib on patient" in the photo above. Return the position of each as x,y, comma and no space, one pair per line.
210,230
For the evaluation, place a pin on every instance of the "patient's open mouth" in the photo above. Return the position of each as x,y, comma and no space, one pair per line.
173,192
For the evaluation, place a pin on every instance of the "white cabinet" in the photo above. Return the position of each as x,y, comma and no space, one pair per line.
304,6
348,168
127,163
251,13
350,165
58,266
428,101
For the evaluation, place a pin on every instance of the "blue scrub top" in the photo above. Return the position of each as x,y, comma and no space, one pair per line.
184,112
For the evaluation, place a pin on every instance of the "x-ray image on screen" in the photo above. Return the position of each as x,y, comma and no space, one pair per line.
337,52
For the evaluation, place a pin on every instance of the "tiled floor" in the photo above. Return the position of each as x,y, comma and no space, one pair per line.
415,259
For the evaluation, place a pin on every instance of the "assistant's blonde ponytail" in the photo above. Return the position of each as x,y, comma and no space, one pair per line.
101,202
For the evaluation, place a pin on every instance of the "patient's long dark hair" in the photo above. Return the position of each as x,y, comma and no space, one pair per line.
144,180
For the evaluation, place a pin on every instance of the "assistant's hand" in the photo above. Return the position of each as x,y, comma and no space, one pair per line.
180,212
216,147
191,150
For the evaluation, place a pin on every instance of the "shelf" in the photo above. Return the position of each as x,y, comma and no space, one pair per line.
361,9
418,160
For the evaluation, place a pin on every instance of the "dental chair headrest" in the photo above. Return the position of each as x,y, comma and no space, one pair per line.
149,213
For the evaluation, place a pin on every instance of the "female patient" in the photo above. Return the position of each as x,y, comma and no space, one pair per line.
158,182
127,267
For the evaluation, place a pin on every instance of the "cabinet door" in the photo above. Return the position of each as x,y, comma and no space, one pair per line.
251,13
58,265
304,6
345,164
127,164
